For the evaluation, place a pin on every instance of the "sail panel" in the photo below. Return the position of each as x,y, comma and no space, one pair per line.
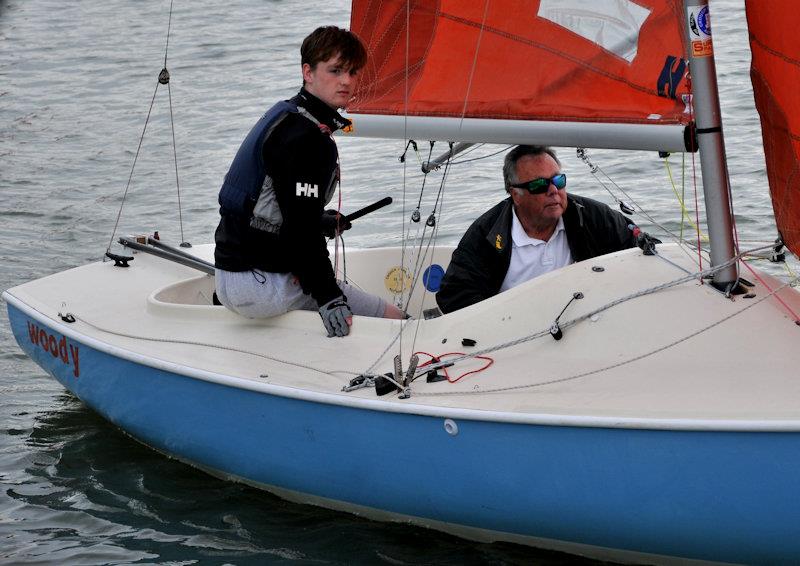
775,74
524,60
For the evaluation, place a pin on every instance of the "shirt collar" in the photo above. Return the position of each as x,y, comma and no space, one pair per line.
521,238
321,111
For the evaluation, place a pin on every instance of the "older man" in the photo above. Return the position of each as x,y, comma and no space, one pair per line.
539,228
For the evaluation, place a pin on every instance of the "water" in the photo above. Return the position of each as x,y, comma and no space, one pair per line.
77,79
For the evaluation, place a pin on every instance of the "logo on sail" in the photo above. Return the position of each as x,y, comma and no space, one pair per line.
671,76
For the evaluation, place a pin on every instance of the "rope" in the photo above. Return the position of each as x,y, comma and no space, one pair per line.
211,345
403,324
175,157
690,277
693,150
488,155
130,177
594,168
612,366
681,199
163,78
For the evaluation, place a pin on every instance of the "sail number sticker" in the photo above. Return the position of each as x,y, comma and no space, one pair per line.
699,31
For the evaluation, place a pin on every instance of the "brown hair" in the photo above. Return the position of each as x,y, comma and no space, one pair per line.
326,41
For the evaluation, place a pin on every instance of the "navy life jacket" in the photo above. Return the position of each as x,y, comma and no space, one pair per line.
245,177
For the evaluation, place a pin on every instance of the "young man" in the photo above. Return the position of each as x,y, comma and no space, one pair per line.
539,228
271,255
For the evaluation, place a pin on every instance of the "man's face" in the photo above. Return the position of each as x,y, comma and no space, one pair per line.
331,82
544,210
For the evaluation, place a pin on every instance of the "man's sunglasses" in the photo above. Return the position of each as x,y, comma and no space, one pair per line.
541,185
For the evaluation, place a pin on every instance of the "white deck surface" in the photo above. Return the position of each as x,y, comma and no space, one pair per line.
740,372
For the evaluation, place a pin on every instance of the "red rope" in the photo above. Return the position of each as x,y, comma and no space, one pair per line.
693,150
437,359
764,283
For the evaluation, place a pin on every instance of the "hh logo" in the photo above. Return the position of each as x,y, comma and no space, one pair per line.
59,348
307,190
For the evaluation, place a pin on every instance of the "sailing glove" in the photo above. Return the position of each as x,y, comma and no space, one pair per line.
647,243
336,316
644,240
333,223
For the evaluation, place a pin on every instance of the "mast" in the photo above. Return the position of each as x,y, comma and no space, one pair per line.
713,163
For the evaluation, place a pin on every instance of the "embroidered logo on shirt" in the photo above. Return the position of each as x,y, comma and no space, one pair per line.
306,190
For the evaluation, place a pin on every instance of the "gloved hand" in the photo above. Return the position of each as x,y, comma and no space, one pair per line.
644,240
647,243
336,316
333,223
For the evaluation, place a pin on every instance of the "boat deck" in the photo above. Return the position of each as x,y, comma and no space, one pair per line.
682,357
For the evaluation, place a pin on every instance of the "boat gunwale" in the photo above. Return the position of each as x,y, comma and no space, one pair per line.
539,419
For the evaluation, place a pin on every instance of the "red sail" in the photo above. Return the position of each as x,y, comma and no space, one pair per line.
620,62
775,73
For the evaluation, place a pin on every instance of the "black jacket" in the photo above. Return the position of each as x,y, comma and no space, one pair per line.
301,162
480,262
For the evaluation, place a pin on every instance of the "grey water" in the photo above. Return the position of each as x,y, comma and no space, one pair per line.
76,82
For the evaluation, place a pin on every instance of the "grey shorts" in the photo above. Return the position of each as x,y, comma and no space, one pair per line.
262,294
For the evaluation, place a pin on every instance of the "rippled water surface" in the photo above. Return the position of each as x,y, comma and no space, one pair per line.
76,81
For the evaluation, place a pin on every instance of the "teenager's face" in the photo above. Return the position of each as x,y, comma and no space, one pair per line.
331,82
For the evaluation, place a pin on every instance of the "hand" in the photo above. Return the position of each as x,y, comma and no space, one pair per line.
336,316
647,243
333,223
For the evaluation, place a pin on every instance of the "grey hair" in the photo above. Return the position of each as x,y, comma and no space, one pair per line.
510,162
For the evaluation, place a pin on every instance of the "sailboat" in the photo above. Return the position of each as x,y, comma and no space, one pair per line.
634,407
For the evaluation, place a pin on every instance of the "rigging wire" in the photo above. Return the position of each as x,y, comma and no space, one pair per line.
699,276
163,78
681,197
693,150
488,155
258,354
608,367
594,168
184,243
583,155
405,168
130,177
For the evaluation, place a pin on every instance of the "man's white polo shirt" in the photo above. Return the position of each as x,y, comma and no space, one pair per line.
531,257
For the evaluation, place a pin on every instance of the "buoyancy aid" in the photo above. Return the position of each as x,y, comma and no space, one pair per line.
245,178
